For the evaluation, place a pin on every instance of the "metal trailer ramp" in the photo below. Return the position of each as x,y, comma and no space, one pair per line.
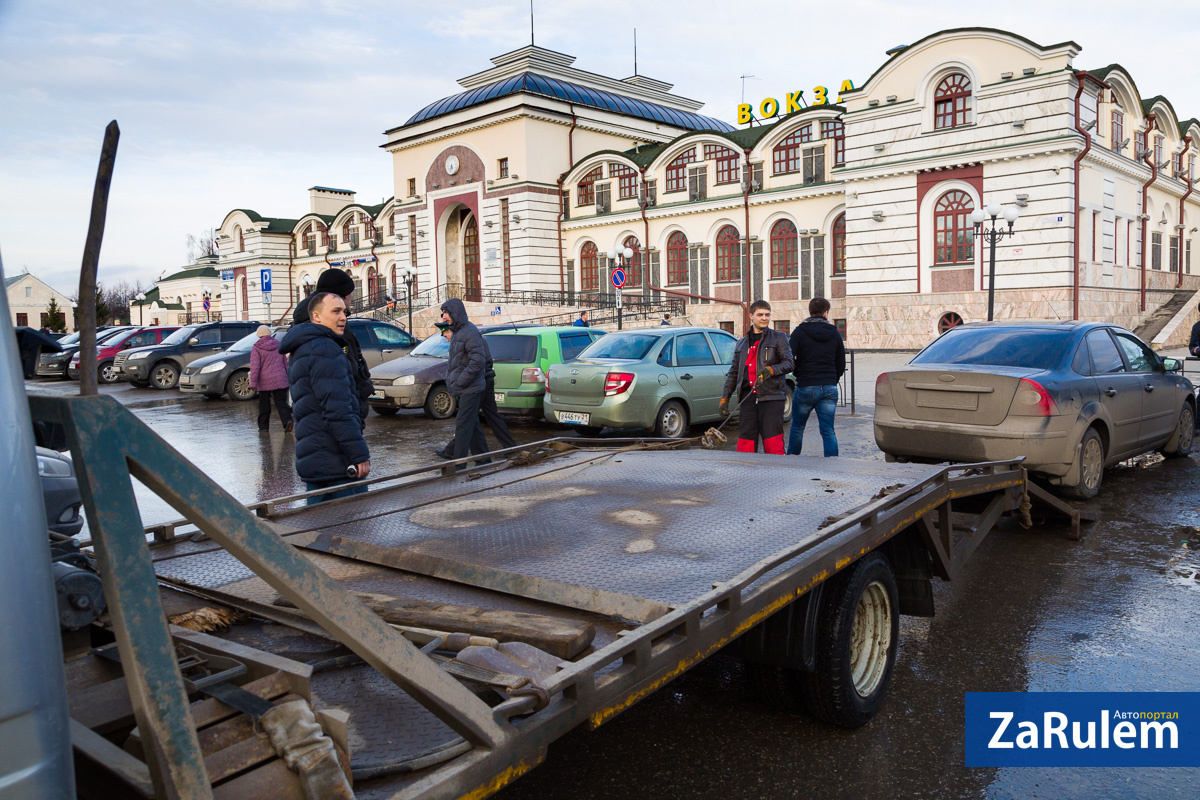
666,555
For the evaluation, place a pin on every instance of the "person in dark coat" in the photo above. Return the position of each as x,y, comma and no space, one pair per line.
466,378
820,362
582,322
761,361
487,406
1194,342
329,434
268,376
340,283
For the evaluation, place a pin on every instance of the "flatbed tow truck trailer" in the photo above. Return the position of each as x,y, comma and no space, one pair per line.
625,562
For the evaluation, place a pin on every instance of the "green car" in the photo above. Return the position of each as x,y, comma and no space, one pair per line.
523,355
662,379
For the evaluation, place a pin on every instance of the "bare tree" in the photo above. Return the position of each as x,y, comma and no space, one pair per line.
203,245
117,298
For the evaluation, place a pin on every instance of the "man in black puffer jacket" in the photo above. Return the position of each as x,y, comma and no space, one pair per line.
340,283
466,378
820,362
329,436
761,360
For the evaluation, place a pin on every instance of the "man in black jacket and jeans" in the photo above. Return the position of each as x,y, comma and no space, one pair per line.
761,360
466,378
820,362
340,283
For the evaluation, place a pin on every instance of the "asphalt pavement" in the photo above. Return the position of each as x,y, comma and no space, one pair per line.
1032,611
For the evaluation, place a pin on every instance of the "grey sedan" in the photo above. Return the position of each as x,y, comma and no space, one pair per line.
1071,397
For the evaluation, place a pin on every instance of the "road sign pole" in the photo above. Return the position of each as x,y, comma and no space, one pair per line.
620,294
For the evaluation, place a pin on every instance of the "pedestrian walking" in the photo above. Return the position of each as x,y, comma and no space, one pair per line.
268,375
488,410
761,359
666,320
329,434
340,283
1194,342
582,322
820,359
466,379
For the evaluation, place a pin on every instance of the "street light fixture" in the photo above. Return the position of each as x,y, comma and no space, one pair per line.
993,235
409,274
141,298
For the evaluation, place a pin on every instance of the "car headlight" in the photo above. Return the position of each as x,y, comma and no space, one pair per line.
214,367
405,380
136,356
53,467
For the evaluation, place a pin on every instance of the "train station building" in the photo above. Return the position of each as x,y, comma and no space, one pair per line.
526,180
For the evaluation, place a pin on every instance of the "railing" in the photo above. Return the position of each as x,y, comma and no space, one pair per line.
368,302
200,316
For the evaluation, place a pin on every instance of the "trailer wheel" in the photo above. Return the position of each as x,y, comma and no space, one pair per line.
857,631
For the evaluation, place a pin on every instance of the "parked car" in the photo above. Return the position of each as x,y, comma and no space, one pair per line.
661,378
127,340
51,365
1071,397
381,341
227,372
160,365
60,491
522,356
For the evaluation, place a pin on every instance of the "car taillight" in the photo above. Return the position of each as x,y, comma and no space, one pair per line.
532,375
617,382
1032,400
883,390
547,383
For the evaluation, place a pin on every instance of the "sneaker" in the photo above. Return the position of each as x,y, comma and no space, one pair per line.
288,428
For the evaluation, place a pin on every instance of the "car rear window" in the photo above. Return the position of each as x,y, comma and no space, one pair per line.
513,349
634,346
997,347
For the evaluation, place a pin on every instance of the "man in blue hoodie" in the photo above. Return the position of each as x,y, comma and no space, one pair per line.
466,378
329,438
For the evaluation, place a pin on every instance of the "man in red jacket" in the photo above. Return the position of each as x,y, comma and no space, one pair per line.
761,360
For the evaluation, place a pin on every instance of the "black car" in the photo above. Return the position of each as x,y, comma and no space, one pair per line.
60,491
54,365
160,365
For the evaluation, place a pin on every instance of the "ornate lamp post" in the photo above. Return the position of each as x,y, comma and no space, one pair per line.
141,298
409,274
622,257
993,235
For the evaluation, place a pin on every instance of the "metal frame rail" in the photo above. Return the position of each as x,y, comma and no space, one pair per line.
110,446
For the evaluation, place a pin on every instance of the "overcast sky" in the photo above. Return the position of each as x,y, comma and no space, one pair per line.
226,104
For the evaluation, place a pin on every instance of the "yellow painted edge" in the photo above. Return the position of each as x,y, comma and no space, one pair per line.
502,779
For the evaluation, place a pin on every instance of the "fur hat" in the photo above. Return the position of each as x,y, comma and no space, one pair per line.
336,281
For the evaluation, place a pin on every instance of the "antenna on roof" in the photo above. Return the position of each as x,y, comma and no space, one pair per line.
531,23
744,78
635,51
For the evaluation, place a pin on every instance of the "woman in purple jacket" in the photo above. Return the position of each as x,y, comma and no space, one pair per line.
268,374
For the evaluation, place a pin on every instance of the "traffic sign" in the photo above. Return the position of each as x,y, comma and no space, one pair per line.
267,299
265,277
207,304
618,278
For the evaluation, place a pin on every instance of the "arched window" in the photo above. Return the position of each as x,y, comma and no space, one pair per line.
786,156
244,293
835,129
589,268
784,250
729,263
727,162
949,320
350,231
586,190
633,275
677,259
952,102
839,245
373,284
310,238
677,171
237,237
954,235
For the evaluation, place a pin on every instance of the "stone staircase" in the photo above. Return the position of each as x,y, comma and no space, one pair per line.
1154,324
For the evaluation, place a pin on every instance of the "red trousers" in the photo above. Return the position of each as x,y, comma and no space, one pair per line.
757,420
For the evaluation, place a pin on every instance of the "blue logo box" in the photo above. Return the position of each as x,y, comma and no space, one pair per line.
1083,729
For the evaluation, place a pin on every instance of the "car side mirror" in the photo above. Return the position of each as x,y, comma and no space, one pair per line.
193,342
1172,365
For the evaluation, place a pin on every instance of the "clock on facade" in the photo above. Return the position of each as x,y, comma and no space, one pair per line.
451,165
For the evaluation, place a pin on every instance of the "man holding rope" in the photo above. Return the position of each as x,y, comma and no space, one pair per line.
760,361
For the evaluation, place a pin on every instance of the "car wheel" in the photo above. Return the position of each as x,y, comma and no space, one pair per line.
672,421
107,373
386,411
1091,467
858,629
1180,443
72,374
439,403
238,386
140,384
787,403
164,375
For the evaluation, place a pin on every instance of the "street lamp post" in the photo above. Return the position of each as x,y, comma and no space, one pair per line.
141,298
622,257
993,235
409,274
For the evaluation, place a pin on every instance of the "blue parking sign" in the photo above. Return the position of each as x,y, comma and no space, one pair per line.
265,276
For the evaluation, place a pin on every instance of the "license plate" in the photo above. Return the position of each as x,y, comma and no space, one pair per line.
499,397
185,380
956,401
574,417
378,395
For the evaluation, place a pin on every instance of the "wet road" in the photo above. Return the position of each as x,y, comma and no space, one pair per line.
1032,611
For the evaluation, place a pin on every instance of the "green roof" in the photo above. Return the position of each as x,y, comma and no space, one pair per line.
193,271
280,225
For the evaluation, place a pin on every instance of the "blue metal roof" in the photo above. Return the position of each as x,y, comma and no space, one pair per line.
530,83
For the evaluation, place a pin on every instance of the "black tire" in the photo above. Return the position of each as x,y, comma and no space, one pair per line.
386,411
858,629
164,375
671,421
72,374
1181,441
439,403
238,386
140,384
107,373
1091,467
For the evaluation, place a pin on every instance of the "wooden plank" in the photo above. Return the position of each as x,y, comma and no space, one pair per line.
104,708
238,758
102,768
272,779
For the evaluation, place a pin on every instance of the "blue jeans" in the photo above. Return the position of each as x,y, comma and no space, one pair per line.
312,486
824,399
